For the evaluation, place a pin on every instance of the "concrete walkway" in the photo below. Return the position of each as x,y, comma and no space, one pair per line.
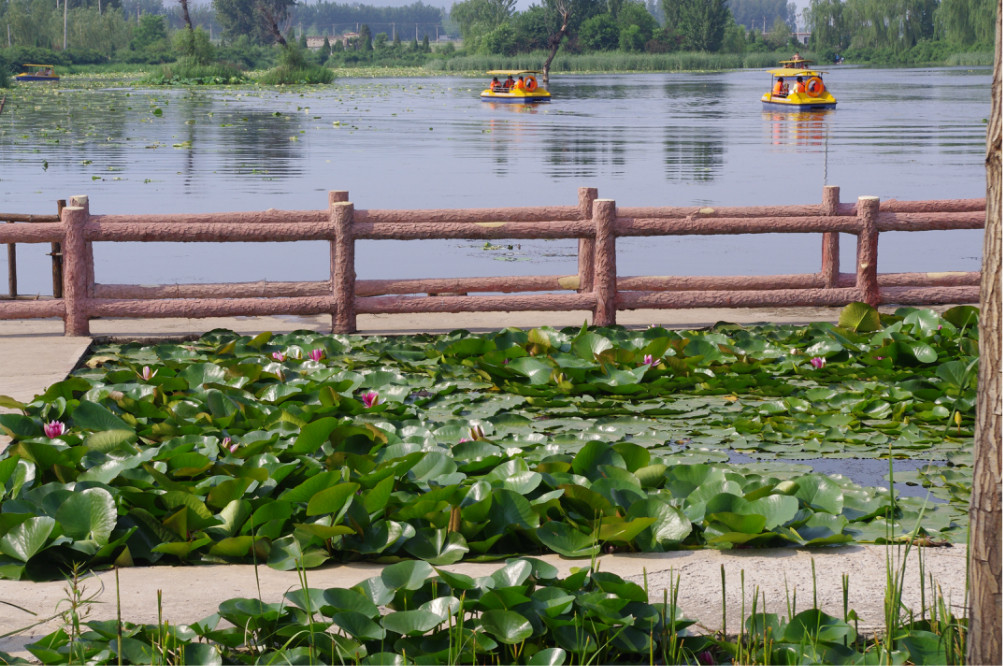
34,354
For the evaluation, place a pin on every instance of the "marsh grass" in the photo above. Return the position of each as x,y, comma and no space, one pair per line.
611,62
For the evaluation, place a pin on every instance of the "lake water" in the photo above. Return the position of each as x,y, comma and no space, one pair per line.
649,139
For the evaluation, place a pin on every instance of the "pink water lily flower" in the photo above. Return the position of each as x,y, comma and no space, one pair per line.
817,362
316,354
54,429
278,356
148,374
371,399
229,444
651,360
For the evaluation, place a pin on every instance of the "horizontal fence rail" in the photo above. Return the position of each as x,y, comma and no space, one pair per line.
596,223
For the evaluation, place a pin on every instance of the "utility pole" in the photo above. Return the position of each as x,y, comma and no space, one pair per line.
66,4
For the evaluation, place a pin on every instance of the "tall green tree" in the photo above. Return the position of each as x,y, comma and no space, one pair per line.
827,25
263,21
700,23
968,23
477,18
760,15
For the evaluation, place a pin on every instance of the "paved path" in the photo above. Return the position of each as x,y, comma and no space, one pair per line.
34,354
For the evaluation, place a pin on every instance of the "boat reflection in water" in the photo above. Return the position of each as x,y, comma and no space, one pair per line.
799,129
514,108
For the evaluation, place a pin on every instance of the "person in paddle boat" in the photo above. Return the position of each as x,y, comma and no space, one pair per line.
780,88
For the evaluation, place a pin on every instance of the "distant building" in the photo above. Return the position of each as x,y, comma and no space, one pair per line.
318,42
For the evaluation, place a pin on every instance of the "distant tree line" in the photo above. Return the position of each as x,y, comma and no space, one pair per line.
244,32
883,29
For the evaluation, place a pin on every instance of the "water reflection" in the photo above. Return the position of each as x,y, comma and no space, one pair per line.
802,129
690,158
642,139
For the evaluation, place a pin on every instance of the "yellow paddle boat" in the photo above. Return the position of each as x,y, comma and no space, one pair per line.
38,73
796,86
519,86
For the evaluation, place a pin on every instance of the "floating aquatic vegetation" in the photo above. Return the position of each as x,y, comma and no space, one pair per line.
306,448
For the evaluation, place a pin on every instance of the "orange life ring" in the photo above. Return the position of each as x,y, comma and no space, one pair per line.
815,86
530,83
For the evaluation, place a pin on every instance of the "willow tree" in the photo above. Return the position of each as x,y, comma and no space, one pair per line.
984,615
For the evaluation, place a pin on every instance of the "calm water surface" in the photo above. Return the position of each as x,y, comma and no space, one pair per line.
652,139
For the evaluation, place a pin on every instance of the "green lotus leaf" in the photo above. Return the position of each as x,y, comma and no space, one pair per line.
670,528
89,514
411,622
408,575
820,493
92,416
566,540
353,600
859,317
437,546
240,546
110,440
957,374
506,626
962,316
923,322
619,487
309,599
182,549
27,538
590,346
594,454
548,657
510,509
358,626
813,625
332,500
384,659
19,426
310,487
552,602
515,572
536,370
457,581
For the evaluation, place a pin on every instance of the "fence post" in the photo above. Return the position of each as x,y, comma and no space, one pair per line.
343,266
56,252
586,246
75,251
830,239
867,250
12,268
604,216
83,201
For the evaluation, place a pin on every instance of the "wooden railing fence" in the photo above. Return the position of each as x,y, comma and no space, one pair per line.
57,259
596,223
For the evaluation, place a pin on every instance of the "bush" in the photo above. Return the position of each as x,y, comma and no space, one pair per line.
187,71
294,68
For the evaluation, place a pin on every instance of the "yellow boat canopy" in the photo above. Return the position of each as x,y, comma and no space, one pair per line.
795,72
512,72
796,63
27,64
